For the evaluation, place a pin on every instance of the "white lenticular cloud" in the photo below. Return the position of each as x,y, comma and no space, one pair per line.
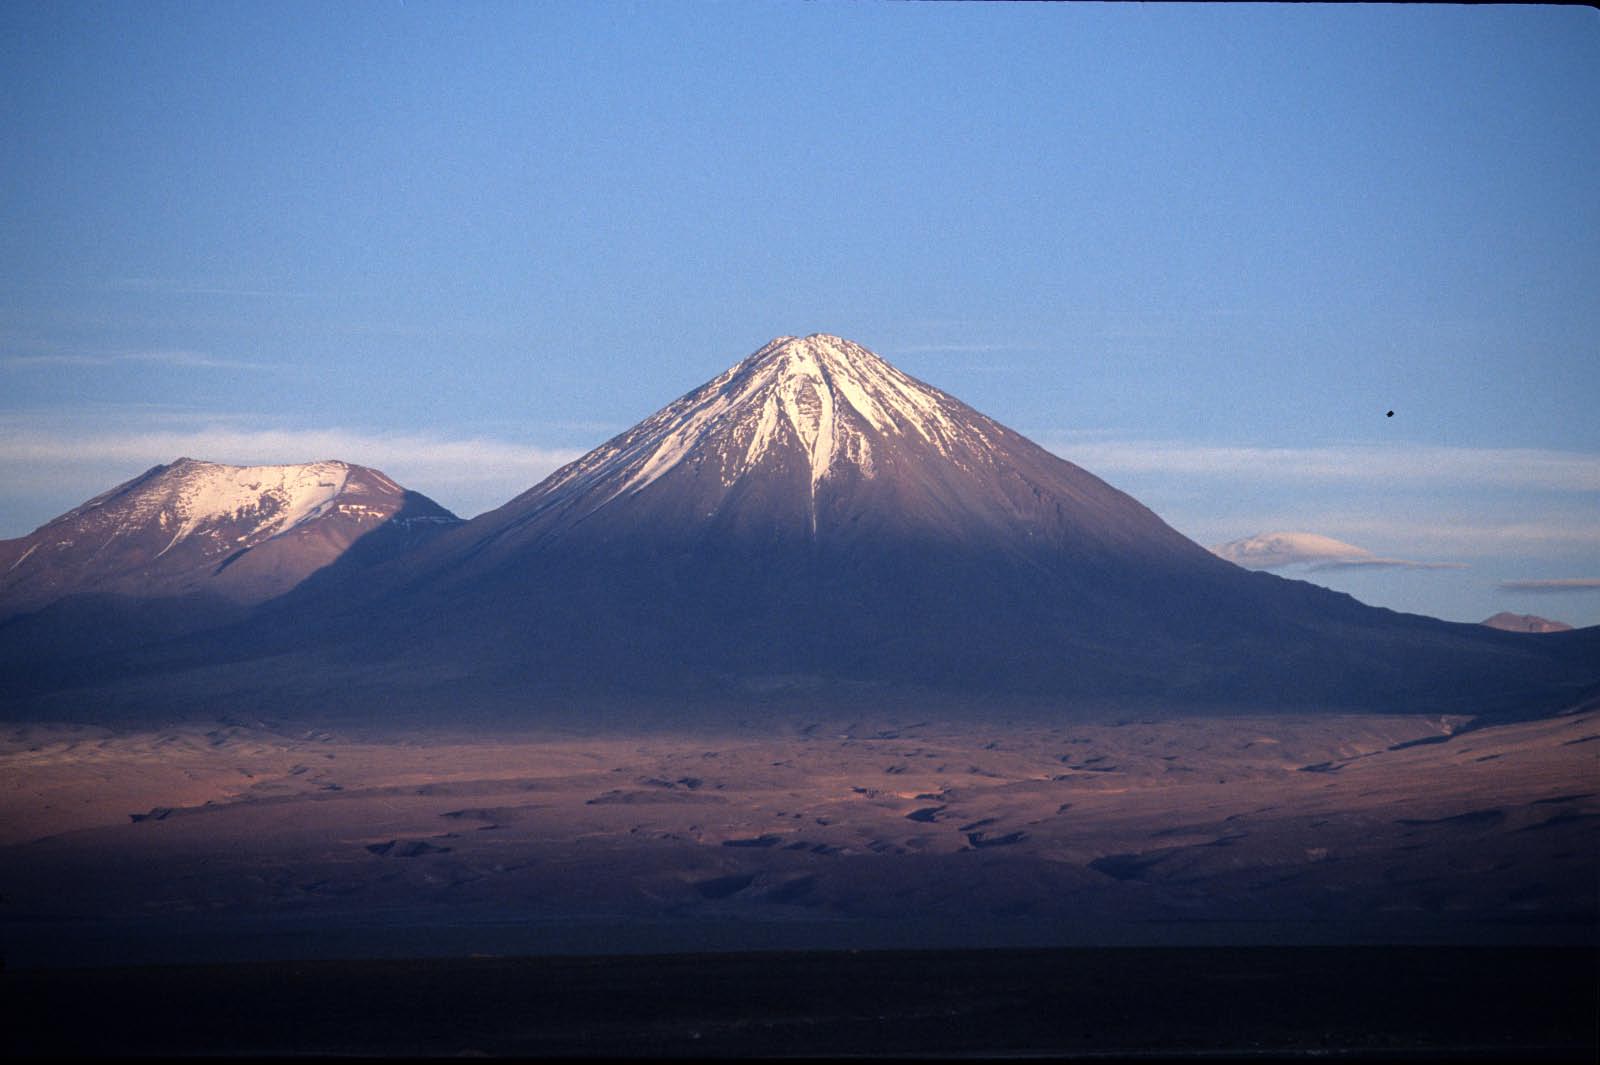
1277,550
1273,550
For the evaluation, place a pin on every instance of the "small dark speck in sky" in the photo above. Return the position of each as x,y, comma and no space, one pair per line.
1389,415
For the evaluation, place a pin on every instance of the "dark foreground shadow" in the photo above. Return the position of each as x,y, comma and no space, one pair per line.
1246,1003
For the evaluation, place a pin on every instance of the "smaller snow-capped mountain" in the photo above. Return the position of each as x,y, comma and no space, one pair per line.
242,533
1509,622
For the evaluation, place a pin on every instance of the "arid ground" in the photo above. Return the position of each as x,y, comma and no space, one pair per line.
829,833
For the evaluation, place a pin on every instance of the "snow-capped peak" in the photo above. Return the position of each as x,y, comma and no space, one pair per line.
839,370
188,495
827,395
245,533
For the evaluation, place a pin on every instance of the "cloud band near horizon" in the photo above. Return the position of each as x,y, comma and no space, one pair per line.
1544,468
467,474
1557,585
42,459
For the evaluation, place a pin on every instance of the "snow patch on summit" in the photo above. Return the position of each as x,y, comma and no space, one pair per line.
294,494
244,533
191,496
821,395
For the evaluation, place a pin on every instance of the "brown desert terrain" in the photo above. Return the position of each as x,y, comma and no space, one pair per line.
1345,828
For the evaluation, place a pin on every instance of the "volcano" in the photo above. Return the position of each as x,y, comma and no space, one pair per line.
189,546
814,520
242,533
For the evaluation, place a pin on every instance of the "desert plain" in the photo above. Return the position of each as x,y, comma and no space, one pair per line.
259,839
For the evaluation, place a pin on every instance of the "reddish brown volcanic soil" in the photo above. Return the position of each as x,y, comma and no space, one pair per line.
1343,822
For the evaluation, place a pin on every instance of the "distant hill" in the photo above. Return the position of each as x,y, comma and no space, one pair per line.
1509,622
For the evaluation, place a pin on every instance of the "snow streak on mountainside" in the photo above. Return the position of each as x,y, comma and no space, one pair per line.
822,392
262,500
244,532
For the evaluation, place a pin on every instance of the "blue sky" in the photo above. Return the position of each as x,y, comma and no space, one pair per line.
1198,250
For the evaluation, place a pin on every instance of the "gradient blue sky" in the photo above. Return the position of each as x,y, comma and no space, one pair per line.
1198,250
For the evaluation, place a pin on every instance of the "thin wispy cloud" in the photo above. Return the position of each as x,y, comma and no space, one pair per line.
464,458
177,287
1142,331
100,418
959,349
1571,471
1385,563
1429,527
1563,584
182,359
468,474
1556,529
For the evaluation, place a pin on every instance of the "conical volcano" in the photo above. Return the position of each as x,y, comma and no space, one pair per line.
812,517
817,441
